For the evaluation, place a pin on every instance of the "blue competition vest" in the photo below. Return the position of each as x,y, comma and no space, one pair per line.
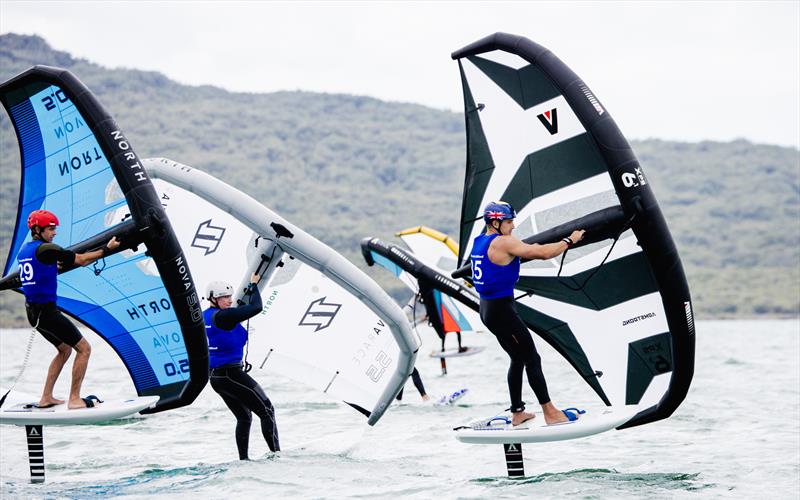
39,280
492,281
225,347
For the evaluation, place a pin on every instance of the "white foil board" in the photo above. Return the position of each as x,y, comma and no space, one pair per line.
594,421
455,353
14,411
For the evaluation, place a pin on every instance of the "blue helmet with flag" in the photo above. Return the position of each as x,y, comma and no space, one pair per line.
499,211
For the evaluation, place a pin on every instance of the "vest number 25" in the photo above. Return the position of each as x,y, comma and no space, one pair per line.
26,272
476,270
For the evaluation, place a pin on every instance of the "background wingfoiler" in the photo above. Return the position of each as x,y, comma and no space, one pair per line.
619,310
413,271
432,247
429,259
439,252
324,322
141,299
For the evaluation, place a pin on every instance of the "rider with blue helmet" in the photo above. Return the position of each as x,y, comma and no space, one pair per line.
495,258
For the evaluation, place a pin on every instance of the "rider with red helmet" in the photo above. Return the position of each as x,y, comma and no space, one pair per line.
39,260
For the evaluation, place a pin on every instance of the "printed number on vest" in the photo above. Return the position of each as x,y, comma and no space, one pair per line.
476,270
26,272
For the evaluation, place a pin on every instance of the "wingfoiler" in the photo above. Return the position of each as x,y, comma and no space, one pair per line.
617,307
439,251
140,298
325,323
433,247
422,266
421,271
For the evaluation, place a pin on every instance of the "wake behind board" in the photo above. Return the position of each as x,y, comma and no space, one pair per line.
18,410
497,431
455,353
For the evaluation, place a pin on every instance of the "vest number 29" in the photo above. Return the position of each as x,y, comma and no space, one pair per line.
26,272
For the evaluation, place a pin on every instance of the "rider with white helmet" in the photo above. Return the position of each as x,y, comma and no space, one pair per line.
229,378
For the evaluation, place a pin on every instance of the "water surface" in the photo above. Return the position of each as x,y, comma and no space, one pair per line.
737,435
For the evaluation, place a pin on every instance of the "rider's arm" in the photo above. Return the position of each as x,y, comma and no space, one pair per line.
50,253
82,259
517,248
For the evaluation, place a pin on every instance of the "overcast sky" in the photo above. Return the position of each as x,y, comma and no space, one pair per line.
669,70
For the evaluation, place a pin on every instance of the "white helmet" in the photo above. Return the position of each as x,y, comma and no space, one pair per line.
217,289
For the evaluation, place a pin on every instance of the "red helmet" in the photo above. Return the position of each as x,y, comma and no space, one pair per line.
42,218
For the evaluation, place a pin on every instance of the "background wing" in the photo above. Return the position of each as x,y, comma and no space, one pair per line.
312,328
440,252
315,331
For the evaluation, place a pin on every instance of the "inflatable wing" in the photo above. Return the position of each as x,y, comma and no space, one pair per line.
324,322
618,306
77,163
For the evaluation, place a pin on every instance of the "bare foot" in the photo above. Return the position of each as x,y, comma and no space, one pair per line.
51,401
425,397
555,416
76,404
521,417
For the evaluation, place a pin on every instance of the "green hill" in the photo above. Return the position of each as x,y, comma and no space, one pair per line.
343,167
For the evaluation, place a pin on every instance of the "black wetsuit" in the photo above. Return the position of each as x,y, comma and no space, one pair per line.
426,292
45,316
241,393
501,318
495,284
417,383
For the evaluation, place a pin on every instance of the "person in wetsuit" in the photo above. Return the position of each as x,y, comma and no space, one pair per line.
226,341
415,377
39,261
495,258
428,299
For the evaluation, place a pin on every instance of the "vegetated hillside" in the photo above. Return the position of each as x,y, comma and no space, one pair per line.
343,167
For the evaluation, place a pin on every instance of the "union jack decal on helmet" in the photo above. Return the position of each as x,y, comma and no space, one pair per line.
495,215
498,210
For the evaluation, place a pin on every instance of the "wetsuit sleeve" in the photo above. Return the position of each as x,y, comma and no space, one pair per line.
50,253
232,316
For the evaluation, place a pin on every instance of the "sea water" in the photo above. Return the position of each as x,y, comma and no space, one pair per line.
737,434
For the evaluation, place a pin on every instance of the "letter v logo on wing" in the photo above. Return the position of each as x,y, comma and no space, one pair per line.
550,120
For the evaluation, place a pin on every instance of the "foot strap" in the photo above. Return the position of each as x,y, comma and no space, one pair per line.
90,400
573,413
